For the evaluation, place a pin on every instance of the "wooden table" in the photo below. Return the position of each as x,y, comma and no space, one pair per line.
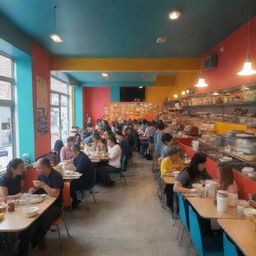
207,208
16,221
242,233
168,179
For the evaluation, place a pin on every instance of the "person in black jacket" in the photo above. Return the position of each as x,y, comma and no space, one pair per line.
56,151
83,165
124,145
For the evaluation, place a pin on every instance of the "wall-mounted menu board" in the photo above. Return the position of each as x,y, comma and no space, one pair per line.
135,110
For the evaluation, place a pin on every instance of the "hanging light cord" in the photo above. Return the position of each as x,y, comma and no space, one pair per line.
248,31
54,18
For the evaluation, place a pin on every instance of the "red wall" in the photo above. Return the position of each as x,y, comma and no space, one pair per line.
231,60
41,67
94,100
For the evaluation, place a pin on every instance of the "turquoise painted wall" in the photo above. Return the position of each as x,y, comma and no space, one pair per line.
24,99
78,104
115,94
25,106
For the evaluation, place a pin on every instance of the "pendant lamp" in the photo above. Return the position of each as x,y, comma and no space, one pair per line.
247,68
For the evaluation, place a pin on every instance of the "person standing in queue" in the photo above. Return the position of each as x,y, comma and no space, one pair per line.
84,166
49,182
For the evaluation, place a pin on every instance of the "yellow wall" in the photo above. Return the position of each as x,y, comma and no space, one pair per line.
183,81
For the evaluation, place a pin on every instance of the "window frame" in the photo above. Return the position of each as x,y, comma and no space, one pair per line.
68,95
11,104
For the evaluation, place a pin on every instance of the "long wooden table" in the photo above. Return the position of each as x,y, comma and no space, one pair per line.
242,233
207,208
16,221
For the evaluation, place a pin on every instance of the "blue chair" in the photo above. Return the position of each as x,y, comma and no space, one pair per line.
183,218
90,190
229,247
121,169
205,246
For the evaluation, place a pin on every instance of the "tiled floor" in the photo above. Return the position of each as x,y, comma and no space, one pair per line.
126,221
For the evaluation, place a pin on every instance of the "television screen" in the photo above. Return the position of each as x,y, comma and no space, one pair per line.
132,94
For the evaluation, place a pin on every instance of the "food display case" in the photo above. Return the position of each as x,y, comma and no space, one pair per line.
242,146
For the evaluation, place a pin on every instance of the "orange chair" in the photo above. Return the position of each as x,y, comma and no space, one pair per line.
66,203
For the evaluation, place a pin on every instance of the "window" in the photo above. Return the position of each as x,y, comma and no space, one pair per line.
60,110
7,109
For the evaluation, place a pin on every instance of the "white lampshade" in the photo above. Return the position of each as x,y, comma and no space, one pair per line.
201,83
247,69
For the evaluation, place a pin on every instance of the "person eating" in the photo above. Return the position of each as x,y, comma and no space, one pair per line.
167,140
114,154
98,143
226,178
168,165
84,166
66,153
12,182
194,173
49,182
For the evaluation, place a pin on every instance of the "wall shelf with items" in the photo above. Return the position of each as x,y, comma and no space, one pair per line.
132,110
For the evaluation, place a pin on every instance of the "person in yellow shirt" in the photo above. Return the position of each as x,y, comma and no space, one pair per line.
172,163
169,164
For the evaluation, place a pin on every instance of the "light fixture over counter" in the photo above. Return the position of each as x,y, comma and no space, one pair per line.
201,83
247,68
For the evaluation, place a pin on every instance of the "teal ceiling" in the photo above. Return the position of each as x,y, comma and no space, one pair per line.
128,28
118,78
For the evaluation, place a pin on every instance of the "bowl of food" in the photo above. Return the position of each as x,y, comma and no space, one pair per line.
249,212
197,185
247,170
30,212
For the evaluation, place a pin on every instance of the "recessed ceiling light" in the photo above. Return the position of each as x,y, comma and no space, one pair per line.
161,40
174,15
56,38
175,96
187,91
140,87
104,74
183,93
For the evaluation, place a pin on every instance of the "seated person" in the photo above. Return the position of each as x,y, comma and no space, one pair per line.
87,138
11,187
58,145
66,153
124,145
114,154
98,142
158,143
83,165
12,182
194,173
226,178
49,182
167,140
169,164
